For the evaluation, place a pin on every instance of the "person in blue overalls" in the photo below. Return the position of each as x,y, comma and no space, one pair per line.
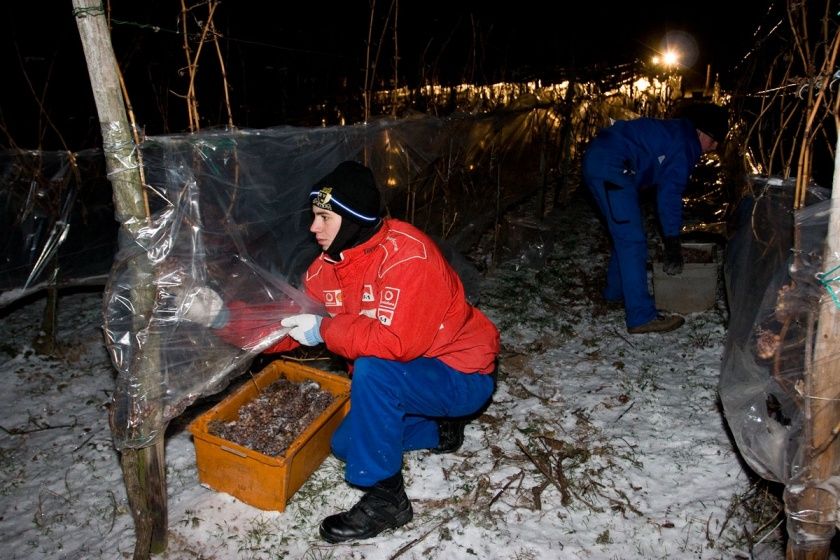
627,157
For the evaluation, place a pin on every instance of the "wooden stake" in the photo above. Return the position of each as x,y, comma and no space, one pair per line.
810,504
142,468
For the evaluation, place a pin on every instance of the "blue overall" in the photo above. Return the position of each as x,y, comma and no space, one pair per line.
392,410
622,160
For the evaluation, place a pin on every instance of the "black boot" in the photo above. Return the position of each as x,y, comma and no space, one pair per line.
384,506
450,434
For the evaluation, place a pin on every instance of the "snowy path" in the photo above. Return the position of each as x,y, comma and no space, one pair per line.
597,444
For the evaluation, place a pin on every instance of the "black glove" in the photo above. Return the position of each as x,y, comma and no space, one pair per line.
673,262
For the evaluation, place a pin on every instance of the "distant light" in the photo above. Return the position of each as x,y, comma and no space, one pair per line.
641,84
655,59
671,58
678,49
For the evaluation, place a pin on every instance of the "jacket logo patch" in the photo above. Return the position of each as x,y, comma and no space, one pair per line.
385,316
367,293
388,300
332,298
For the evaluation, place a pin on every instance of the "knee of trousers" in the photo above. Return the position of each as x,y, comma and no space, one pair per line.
371,372
340,442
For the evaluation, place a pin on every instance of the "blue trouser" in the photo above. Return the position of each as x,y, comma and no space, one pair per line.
627,271
392,409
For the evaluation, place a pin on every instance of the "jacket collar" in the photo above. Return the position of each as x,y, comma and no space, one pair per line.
358,251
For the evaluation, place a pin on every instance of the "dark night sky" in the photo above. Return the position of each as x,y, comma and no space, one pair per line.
279,58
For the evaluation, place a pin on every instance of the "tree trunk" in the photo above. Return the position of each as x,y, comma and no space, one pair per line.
144,472
143,469
811,503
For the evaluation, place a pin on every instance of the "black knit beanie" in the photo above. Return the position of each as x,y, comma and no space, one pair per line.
709,118
349,190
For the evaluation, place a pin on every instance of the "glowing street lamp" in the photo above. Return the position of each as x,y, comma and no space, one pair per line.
668,59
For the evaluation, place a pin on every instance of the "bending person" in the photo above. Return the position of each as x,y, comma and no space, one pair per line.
621,161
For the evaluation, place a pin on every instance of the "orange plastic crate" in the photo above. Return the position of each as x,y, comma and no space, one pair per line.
256,479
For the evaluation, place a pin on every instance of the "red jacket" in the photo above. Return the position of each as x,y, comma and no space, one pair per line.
396,297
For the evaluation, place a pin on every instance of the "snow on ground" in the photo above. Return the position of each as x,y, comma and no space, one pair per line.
598,444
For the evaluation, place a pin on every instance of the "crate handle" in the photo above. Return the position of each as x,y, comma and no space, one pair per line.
234,451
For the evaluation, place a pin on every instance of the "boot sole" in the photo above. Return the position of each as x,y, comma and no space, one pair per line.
657,325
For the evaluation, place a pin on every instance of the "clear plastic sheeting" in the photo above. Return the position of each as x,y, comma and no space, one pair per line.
772,269
229,231
228,218
58,226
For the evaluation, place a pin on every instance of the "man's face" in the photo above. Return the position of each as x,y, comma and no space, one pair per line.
707,143
325,226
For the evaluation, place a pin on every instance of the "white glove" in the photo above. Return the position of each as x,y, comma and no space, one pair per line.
201,305
306,328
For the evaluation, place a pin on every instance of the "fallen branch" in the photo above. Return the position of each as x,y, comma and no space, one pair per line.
627,340
410,544
511,478
537,491
90,437
22,431
565,498
626,410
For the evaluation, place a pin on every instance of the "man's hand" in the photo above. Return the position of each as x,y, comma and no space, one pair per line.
306,328
200,305
673,262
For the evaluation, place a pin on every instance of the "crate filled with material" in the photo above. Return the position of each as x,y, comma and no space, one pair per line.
695,289
264,469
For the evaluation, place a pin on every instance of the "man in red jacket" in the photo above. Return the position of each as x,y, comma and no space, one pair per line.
422,355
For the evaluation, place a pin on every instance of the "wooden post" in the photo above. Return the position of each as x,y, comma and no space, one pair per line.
543,167
143,468
567,141
810,503
45,342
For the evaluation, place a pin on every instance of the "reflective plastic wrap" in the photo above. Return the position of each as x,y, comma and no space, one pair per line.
223,234
203,284
200,288
57,226
773,267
